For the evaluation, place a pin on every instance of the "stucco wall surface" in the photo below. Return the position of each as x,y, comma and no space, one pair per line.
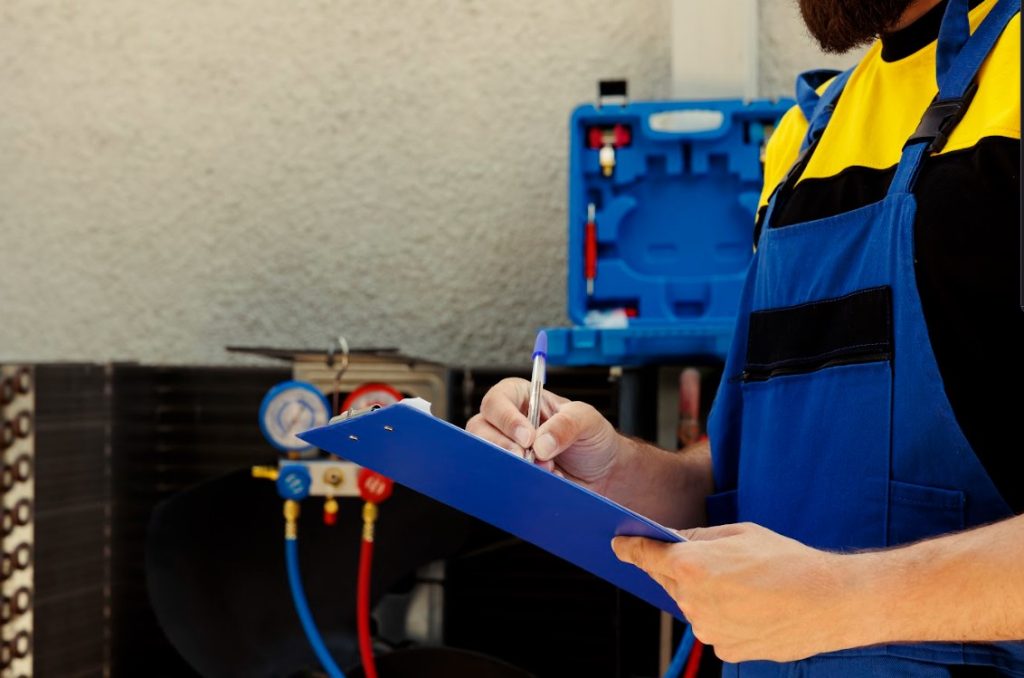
179,176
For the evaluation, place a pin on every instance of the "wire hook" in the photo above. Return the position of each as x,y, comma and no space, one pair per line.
343,345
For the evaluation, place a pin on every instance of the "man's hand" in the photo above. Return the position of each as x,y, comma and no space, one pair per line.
576,442
573,438
749,592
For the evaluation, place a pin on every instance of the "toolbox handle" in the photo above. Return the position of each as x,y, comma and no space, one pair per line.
688,122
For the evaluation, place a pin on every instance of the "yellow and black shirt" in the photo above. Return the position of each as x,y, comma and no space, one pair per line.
968,220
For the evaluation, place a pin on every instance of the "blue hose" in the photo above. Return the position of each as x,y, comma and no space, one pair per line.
675,669
291,554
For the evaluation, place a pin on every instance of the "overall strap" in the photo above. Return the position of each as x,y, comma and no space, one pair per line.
818,110
959,57
807,85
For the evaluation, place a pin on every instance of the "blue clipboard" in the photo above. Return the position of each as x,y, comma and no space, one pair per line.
412,447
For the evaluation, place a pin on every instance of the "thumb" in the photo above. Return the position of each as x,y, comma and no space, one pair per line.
717,532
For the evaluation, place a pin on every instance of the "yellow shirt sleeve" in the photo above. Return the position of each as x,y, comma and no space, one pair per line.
782,150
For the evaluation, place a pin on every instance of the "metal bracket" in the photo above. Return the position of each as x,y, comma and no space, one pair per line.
612,93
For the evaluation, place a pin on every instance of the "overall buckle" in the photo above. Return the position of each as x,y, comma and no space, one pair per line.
941,119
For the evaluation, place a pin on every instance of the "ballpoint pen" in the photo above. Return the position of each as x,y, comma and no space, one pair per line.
540,356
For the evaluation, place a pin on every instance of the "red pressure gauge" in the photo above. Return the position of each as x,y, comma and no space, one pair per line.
371,394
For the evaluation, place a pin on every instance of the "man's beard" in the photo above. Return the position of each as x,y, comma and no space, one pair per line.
841,25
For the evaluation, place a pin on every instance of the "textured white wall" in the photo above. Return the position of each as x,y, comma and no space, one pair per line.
178,176
786,48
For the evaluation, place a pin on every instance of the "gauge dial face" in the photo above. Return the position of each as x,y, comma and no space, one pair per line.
289,409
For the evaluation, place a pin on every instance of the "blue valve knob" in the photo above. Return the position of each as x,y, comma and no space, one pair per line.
294,482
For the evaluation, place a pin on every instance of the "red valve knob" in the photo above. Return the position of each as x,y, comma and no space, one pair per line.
374,487
623,136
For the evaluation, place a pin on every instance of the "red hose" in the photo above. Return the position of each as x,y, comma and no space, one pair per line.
693,663
590,252
363,610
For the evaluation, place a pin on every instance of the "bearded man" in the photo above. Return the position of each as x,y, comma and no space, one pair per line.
861,477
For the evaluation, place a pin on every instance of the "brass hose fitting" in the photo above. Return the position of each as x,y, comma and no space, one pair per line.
291,519
369,518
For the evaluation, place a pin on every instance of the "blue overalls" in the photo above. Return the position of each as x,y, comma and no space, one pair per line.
831,425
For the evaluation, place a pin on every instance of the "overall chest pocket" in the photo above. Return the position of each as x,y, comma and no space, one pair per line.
817,420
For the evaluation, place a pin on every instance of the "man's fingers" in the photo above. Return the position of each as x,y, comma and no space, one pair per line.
649,555
549,404
564,428
482,428
503,407
717,532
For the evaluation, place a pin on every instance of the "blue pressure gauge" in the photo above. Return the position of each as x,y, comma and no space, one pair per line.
290,408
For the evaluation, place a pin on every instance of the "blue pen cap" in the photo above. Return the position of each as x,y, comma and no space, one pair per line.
540,347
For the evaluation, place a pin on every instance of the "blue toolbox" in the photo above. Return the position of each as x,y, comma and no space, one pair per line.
662,201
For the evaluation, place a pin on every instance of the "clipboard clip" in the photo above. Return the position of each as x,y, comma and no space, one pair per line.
415,403
354,413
